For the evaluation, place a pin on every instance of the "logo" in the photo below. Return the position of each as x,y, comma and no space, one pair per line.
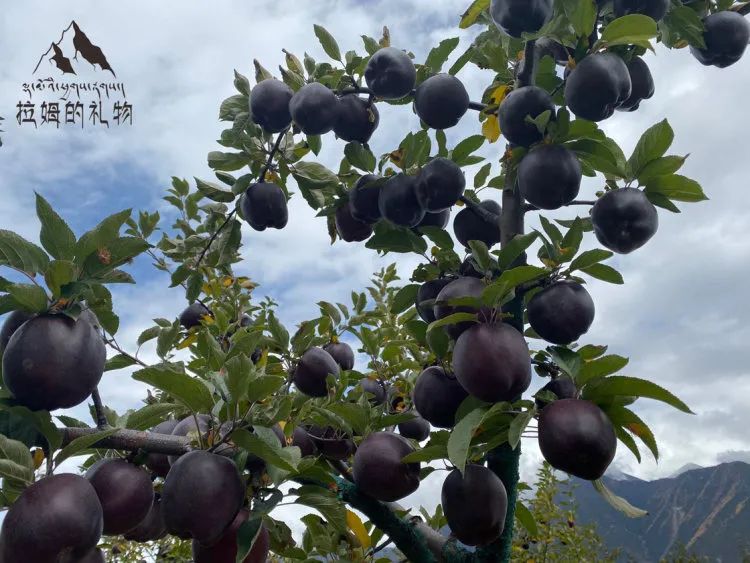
75,85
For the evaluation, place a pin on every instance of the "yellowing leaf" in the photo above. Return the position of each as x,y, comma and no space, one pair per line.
38,458
188,341
227,281
354,523
471,15
491,128
498,94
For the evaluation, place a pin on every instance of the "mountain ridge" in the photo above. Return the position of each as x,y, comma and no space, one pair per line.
705,509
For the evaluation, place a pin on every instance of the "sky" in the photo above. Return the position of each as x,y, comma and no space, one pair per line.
681,316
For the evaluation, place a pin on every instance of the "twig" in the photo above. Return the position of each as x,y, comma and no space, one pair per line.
483,213
112,343
229,217
101,418
477,106
28,275
529,207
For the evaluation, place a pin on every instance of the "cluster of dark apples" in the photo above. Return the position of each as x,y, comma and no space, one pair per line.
440,101
62,517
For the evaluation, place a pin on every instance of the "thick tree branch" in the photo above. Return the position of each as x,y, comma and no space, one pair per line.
526,75
132,440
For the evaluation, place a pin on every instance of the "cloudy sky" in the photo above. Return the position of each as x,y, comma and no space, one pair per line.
681,317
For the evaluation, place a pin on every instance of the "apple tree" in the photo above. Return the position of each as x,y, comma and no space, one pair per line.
247,414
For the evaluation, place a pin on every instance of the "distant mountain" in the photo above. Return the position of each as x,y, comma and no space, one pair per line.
706,510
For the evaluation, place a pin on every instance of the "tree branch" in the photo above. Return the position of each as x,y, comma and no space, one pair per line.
132,440
481,212
101,418
477,106
526,76
419,542
261,178
528,207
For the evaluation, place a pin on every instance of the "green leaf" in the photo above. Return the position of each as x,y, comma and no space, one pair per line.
256,445
227,161
82,443
604,273
148,334
15,461
247,535
653,144
56,237
231,107
620,385
314,180
17,252
454,318
682,23
600,367
567,360
461,435
481,176
115,252
581,14
390,238
471,15
438,342
30,297
101,235
629,442
149,416
518,425
279,334
439,236
264,386
509,280
328,42
662,166
439,55
627,419
58,274
118,361
428,453
214,192
508,254
466,147
329,506
526,518
633,29
360,156
676,187
188,390
616,502
481,255
589,258
404,298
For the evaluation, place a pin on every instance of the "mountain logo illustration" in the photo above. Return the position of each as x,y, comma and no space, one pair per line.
82,46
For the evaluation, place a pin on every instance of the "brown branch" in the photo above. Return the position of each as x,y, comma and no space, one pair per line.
132,440
101,418
529,207
229,217
477,106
